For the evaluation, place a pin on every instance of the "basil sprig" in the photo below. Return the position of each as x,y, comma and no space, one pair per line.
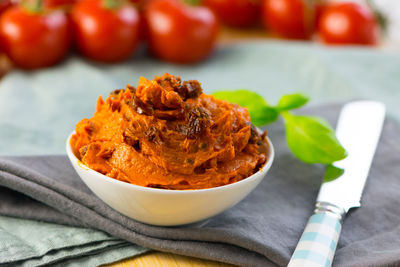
311,139
260,112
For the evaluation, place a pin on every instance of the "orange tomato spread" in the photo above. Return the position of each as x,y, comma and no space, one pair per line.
166,133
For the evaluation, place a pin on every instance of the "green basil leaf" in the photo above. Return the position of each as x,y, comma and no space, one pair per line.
292,101
263,115
260,112
332,172
312,139
243,97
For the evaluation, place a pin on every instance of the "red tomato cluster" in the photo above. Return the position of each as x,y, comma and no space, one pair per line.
105,30
334,23
40,33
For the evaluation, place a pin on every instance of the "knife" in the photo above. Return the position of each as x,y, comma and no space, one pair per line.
358,130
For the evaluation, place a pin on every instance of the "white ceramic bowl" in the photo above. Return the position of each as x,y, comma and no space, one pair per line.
162,206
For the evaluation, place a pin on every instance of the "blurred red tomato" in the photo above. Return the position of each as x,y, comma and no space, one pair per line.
138,2
142,26
34,40
236,13
58,3
289,18
348,23
106,34
4,4
180,33
140,6
319,10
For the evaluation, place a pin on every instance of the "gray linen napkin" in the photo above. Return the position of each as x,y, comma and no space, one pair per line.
29,243
262,230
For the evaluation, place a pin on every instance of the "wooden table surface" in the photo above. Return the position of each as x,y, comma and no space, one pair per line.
160,259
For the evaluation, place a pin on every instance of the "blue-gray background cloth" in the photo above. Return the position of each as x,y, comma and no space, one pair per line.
39,109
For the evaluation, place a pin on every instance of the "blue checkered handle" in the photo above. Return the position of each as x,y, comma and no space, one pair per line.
317,245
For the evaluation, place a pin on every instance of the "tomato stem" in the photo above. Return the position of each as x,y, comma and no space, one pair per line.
192,2
382,20
112,4
34,6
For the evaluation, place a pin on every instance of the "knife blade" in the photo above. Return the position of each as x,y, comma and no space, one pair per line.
358,130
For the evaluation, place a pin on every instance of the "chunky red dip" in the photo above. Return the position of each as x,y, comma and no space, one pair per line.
166,133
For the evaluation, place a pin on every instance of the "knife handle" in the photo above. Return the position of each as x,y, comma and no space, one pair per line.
318,243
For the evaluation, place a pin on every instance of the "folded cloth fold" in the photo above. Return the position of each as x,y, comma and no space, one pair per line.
262,230
31,243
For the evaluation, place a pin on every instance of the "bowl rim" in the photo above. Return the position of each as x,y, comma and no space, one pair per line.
78,163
